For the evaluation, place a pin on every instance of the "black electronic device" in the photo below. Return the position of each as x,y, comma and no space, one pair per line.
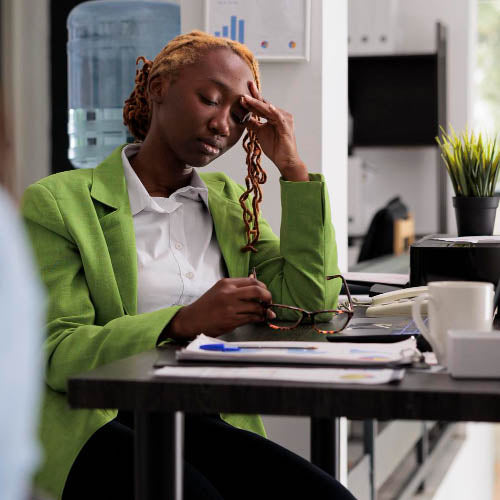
436,260
381,338
380,288
380,330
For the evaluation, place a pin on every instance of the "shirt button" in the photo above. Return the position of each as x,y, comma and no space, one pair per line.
189,275
178,245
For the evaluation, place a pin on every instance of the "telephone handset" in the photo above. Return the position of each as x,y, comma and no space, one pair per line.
397,303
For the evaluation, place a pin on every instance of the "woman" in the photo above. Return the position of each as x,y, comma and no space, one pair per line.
138,251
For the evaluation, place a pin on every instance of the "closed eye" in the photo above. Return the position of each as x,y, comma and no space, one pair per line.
238,119
239,116
207,101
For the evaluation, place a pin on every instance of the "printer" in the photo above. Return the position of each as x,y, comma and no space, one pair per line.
437,260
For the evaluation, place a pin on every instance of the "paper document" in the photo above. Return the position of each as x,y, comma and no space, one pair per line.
317,375
382,278
471,239
384,325
358,300
329,353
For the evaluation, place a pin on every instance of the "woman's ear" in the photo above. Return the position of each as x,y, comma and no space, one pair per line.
157,89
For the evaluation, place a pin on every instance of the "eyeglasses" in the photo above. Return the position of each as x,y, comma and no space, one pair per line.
325,321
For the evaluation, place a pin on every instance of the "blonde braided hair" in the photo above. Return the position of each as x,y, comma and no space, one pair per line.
181,51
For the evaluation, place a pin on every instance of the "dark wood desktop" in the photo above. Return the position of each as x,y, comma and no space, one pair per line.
129,384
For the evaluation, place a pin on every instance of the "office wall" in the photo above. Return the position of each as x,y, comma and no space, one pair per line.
315,92
411,172
25,68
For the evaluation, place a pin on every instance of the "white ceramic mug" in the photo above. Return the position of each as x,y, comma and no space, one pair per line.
457,305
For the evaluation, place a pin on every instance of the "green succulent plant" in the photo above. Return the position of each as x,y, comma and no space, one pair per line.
472,162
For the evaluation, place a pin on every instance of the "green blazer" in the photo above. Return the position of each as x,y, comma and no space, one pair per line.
83,236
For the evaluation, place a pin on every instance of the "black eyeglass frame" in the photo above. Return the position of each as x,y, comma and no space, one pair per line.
311,314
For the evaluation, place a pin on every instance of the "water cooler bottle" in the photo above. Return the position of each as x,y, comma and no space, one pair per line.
105,37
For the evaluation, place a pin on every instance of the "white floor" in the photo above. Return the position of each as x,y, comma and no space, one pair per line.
471,475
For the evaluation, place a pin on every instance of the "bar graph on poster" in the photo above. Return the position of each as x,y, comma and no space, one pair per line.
276,30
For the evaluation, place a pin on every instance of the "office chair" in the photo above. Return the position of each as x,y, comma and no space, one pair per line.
391,231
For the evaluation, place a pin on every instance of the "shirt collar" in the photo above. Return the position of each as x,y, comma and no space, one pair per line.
141,200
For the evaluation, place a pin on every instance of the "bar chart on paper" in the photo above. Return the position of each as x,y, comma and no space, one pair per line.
275,29
235,30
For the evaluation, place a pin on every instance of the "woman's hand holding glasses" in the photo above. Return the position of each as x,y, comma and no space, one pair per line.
230,303
324,321
233,302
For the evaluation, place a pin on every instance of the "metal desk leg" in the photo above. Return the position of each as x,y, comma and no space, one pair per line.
158,455
423,451
369,437
329,446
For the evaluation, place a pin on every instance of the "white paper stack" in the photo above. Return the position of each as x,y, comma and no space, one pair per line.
324,353
280,373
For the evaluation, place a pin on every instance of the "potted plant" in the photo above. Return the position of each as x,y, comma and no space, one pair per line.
472,162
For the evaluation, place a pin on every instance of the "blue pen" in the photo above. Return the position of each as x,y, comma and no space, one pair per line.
233,348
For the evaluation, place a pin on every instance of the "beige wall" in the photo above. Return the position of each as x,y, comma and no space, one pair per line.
25,60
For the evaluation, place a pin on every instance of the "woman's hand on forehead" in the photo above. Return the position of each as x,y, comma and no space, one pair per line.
276,136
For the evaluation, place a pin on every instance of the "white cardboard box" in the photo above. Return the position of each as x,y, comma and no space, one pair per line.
473,354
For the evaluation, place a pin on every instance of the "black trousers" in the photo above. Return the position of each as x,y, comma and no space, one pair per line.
221,462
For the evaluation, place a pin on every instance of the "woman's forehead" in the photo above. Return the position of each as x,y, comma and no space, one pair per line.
221,67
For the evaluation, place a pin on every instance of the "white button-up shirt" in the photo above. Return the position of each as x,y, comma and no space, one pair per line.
178,256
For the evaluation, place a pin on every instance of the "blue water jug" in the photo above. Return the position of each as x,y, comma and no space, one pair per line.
105,37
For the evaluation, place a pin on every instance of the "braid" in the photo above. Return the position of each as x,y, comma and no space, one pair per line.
136,111
255,176
182,51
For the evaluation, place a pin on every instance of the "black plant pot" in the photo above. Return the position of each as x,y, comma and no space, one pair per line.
475,214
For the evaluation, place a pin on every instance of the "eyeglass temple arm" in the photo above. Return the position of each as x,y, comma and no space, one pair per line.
351,306
349,298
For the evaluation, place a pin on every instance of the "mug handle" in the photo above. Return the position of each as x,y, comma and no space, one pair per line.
416,308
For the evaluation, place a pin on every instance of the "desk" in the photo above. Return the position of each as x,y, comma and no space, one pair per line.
384,264
128,384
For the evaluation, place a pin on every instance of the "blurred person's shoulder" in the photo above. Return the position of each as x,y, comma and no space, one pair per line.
6,202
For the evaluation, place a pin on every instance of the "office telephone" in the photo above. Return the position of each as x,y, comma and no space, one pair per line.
397,303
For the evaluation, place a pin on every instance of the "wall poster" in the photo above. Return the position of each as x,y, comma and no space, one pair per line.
274,30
